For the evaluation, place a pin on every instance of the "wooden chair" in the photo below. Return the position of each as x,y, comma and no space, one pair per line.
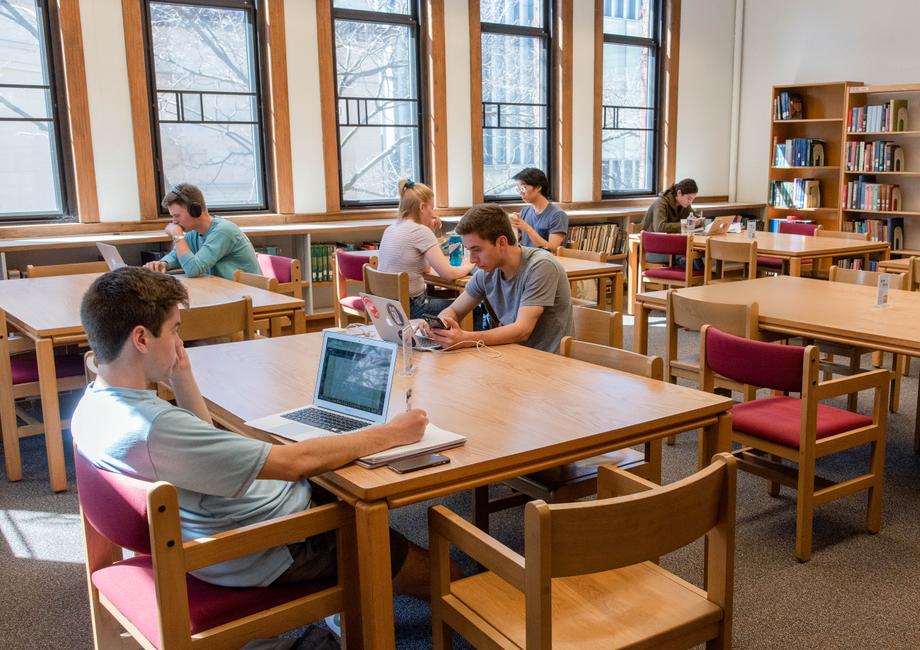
839,234
722,251
285,270
588,576
231,320
271,326
799,429
597,326
671,275
777,266
349,267
913,275
574,481
394,286
854,354
153,595
590,256
65,269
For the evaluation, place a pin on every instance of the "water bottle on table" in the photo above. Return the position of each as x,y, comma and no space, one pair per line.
455,249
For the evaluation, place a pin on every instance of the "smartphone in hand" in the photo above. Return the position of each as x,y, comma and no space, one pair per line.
406,465
434,322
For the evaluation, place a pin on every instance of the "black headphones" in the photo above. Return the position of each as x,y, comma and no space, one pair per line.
193,207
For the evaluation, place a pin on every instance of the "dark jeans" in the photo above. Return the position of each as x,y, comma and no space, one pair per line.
656,258
424,304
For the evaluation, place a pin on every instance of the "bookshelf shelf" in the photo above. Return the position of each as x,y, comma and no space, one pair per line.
811,169
887,134
892,213
882,173
814,120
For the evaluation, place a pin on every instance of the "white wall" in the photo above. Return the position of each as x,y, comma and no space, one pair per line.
582,101
457,66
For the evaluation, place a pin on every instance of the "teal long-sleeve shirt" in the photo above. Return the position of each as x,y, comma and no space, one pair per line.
220,251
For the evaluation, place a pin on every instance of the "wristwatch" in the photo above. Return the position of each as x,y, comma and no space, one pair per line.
176,239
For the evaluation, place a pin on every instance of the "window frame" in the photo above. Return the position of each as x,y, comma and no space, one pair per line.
547,34
254,9
413,20
654,44
54,61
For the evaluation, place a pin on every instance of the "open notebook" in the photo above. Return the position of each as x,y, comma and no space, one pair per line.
435,439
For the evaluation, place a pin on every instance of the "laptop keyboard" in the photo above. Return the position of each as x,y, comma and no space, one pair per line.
327,420
426,343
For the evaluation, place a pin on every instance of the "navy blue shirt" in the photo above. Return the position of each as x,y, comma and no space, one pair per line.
552,219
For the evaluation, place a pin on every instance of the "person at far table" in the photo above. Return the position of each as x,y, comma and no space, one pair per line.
202,244
526,287
410,245
665,213
542,224
225,480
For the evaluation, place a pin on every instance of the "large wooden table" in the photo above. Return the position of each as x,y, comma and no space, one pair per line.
47,311
793,248
524,411
575,269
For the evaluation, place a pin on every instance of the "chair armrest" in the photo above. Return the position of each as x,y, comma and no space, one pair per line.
492,554
874,379
206,551
615,482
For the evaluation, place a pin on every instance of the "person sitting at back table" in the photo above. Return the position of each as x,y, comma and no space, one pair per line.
666,212
202,244
410,245
526,287
224,480
542,224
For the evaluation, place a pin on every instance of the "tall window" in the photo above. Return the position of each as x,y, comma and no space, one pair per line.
378,91
515,91
629,142
31,164
204,75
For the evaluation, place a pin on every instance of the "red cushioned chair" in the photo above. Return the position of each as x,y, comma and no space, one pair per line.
285,270
152,596
766,264
671,275
349,267
799,429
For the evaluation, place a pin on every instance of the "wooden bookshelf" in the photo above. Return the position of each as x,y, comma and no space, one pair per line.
824,107
907,179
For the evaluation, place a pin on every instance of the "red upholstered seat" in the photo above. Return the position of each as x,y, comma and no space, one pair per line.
779,419
25,367
772,262
129,585
352,302
275,266
671,273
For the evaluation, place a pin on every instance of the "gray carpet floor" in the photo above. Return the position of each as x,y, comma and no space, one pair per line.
858,591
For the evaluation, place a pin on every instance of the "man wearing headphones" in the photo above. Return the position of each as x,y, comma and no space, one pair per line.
202,244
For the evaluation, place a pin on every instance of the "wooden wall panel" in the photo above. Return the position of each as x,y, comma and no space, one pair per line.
279,106
437,100
598,95
325,43
563,103
671,49
476,101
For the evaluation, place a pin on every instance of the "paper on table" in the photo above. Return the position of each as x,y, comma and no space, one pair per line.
435,439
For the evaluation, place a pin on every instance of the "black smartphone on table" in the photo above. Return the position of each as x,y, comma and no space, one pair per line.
434,322
406,465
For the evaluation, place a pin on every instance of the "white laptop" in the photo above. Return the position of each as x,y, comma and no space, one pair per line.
390,319
111,256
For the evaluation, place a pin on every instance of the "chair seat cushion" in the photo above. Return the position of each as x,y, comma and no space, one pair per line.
598,610
352,302
670,273
772,262
778,419
129,586
25,367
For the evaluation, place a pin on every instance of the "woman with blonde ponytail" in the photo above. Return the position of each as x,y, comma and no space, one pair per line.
410,245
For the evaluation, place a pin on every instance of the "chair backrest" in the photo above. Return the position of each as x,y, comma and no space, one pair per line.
90,369
841,234
864,278
350,265
603,355
786,368
286,270
591,256
723,250
394,286
796,228
690,313
913,276
597,326
633,227
255,280
65,269
590,536
230,319
662,243
114,504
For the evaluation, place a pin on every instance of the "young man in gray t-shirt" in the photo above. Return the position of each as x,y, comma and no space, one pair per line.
526,287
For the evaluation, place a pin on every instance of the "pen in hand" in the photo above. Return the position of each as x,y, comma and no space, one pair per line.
409,400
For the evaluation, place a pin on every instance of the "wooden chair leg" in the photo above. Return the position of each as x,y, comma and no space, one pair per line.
878,359
894,399
852,398
773,487
481,508
906,369
827,375
441,635
804,511
671,440
877,467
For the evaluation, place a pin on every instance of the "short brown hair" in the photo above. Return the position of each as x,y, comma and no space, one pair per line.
120,300
184,194
488,221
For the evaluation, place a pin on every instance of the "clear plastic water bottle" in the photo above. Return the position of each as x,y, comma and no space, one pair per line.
455,249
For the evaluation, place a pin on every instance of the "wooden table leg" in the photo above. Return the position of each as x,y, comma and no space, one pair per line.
375,581
300,321
51,415
795,266
8,408
633,279
714,439
617,280
640,329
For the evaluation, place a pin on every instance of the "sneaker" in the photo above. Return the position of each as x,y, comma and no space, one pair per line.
334,623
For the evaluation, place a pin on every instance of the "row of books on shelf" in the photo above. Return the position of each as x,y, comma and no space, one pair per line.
875,156
890,116
856,264
322,258
606,238
268,250
865,194
889,230
788,106
799,193
799,152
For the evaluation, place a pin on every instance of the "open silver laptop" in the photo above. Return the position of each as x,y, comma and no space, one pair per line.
111,256
720,225
353,386
390,319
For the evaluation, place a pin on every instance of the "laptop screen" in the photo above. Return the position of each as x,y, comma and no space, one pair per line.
355,374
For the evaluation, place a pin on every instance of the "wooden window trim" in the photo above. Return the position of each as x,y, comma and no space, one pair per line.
476,173
563,14
277,118
325,42
436,109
